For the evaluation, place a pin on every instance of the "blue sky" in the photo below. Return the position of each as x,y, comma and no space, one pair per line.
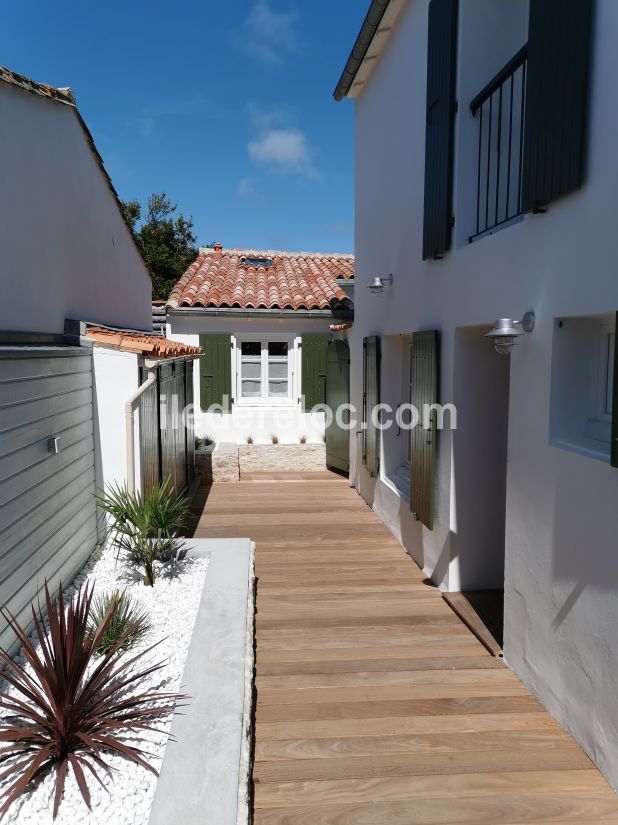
227,106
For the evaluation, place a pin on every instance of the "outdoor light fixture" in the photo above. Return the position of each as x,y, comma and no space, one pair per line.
376,287
506,332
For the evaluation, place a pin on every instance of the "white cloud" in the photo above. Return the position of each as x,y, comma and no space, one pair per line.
245,188
285,150
266,34
147,120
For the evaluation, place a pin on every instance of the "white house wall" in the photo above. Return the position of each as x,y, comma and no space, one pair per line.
260,421
115,378
66,252
561,608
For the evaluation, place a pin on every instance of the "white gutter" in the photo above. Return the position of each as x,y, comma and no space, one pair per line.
129,409
180,312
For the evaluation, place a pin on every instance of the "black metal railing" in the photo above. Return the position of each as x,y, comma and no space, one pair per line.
500,107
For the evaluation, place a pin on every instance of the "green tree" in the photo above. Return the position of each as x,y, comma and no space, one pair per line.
167,243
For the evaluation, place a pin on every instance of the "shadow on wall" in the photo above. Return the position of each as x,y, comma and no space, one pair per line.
585,523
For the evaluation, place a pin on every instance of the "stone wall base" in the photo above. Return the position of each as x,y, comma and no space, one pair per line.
218,463
252,457
227,462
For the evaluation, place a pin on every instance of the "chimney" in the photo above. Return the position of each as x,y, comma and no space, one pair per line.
218,247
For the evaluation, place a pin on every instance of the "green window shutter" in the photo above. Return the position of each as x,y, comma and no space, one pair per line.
423,391
440,127
371,397
314,350
559,46
216,371
614,444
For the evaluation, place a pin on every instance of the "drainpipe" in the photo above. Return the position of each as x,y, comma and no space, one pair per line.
129,409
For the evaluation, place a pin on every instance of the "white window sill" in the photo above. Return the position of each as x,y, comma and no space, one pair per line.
272,403
587,447
399,482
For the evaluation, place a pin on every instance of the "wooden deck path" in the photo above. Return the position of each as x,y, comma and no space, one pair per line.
375,704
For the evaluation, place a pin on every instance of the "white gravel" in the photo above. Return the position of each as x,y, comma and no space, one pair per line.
127,797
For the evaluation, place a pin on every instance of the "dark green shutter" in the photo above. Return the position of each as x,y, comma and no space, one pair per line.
216,371
423,391
440,127
371,397
313,363
614,366
559,44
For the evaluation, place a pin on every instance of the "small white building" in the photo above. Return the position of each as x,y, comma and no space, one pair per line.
264,321
486,186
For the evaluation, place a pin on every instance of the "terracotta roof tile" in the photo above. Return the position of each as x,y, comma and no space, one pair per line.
221,278
156,346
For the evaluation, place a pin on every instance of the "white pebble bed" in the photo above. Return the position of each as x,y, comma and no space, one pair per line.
128,794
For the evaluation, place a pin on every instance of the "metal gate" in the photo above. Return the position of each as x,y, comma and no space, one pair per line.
167,441
337,393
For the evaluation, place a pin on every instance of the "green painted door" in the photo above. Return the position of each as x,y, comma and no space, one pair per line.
313,348
216,371
337,393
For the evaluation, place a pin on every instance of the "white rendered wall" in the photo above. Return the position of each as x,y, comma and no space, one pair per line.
561,610
115,378
66,252
261,422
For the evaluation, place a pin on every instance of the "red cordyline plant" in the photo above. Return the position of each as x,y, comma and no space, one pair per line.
63,716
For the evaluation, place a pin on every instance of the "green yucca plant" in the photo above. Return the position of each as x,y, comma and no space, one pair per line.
67,712
129,621
143,527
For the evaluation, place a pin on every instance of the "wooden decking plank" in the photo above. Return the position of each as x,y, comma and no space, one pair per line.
389,636
391,665
420,744
453,787
362,767
412,707
511,809
341,656
397,725
389,693
477,677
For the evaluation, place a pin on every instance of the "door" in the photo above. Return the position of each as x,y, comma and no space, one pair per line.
167,439
148,407
173,445
480,452
337,393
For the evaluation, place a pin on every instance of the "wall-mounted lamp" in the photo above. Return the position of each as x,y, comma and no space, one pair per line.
376,287
506,332
53,445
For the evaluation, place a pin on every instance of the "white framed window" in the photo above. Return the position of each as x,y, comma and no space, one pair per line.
265,370
607,338
583,384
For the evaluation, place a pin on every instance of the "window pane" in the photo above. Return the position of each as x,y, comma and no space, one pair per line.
251,348
279,348
251,369
278,389
251,389
278,369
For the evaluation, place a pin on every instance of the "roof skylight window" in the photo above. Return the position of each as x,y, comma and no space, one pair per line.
256,261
